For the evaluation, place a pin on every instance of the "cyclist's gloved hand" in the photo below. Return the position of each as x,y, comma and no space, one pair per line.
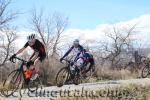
61,59
12,57
29,63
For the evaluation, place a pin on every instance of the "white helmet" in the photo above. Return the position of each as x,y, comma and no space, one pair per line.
76,41
31,37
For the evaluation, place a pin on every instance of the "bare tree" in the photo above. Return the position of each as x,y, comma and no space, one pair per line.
5,14
119,45
7,35
50,30
6,44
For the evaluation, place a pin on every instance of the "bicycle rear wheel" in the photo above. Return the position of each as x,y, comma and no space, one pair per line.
34,85
62,76
87,74
12,83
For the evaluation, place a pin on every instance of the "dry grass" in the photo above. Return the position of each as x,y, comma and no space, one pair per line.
1,86
50,68
105,73
102,73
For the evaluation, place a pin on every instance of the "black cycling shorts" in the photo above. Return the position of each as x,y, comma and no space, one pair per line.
41,58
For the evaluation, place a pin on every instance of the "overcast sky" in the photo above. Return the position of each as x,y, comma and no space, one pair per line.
87,18
84,14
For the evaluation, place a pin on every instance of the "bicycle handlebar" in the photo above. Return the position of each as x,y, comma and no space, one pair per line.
19,59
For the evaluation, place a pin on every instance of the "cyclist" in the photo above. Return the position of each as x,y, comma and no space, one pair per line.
37,57
82,56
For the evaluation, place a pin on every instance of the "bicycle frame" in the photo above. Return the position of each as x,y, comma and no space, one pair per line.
26,81
68,64
20,68
17,80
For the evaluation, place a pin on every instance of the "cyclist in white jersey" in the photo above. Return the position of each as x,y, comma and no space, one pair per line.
81,55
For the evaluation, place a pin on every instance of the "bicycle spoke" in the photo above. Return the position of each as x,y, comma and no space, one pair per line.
145,72
62,76
12,83
33,85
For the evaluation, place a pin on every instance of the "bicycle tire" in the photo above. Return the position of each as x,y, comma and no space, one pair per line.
34,85
145,72
14,79
85,78
58,83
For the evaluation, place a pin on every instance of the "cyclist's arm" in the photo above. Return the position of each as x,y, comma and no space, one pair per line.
22,49
66,54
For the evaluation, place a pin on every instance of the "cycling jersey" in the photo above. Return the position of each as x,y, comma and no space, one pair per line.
37,47
82,58
80,53
77,50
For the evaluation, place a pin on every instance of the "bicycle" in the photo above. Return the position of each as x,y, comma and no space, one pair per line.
16,80
66,75
146,69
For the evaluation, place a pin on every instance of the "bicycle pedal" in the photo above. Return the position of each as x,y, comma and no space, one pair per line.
27,80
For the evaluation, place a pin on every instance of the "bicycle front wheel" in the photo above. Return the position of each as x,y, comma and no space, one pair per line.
62,76
12,83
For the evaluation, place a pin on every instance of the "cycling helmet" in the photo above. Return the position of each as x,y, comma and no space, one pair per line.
31,37
76,41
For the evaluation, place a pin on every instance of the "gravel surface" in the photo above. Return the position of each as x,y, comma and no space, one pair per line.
53,92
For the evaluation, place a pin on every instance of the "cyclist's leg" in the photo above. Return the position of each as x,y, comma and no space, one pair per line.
31,66
37,64
89,60
85,58
90,66
79,64
24,67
